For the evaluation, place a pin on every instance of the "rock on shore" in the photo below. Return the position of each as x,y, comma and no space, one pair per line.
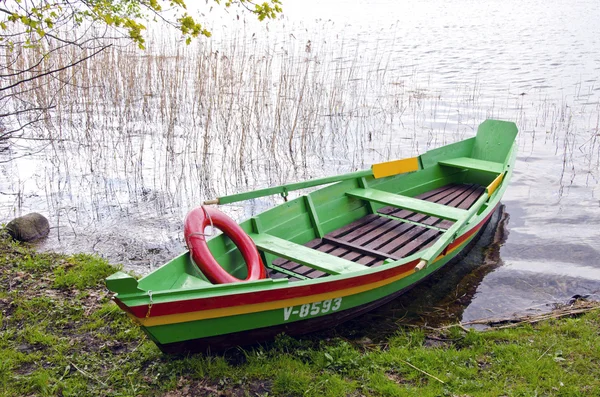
29,227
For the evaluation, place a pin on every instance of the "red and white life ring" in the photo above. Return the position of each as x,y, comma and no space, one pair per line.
195,223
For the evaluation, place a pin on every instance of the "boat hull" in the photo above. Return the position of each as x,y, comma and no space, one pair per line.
275,319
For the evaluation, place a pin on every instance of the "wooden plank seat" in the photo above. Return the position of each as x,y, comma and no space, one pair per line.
474,164
390,233
408,203
303,255
458,196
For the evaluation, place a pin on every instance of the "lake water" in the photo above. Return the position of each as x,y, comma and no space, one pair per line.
331,87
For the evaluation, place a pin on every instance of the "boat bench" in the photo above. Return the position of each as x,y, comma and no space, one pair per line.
473,164
408,203
375,239
460,216
304,255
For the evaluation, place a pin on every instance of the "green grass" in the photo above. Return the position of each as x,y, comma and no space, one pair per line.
61,335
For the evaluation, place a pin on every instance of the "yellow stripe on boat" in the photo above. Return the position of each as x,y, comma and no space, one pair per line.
494,185
280,304
395,167
259,307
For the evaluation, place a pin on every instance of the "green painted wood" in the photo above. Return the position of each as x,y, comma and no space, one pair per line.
227,254
304,255
474,164
362,182
283,213
415,183
287,220
261,319
122,283
327,194
335,208
164,277
179,279
257,225
312,212
284,189
344,218
457,149
338,206
409,203
296,225
186,280
494,140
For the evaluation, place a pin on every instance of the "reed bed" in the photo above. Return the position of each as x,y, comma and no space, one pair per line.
150,134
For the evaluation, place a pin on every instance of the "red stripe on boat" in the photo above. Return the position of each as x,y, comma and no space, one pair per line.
254,297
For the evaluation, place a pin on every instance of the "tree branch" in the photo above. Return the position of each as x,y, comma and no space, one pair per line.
17,112
55,70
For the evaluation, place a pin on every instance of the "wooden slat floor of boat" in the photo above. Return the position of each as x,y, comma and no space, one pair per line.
372,239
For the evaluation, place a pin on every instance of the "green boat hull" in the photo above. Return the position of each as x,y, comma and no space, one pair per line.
360,304
332,254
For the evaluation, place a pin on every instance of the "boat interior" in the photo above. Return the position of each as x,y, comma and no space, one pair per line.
367,221
390,233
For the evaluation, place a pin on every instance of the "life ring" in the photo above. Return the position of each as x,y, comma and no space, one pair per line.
195,223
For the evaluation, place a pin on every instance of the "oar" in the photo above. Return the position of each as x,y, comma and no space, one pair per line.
379,170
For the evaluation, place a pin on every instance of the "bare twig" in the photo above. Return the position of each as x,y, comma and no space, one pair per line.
420,370
501,323
514,322
87,375
544,353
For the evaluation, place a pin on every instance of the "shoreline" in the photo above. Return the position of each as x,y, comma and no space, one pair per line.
60,335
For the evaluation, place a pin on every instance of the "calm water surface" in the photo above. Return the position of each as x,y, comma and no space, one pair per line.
334,87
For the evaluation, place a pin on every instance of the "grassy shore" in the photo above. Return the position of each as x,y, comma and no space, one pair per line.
61,335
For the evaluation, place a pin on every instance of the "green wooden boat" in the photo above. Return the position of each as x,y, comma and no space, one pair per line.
327,256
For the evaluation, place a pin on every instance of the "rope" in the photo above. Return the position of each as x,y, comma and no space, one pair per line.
212,227
149,304
202,234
